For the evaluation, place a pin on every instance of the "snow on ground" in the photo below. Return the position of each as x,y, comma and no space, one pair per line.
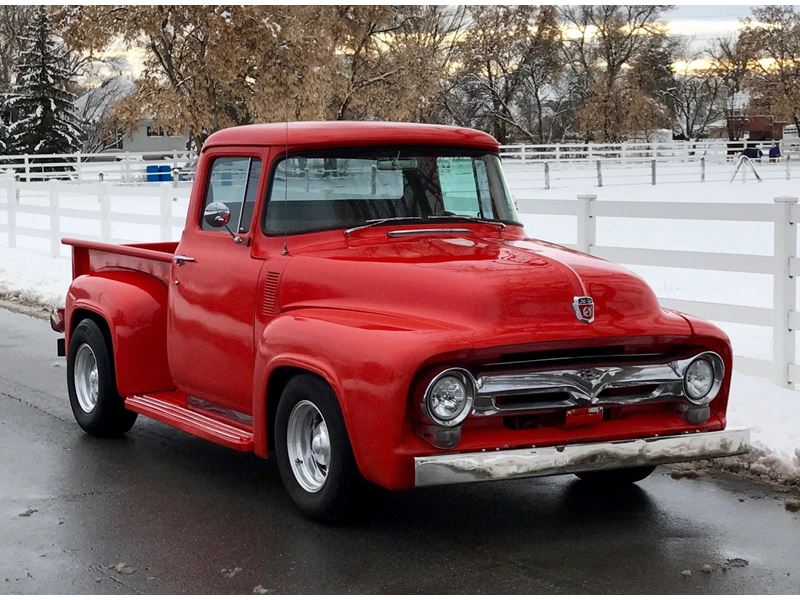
772,412
34,276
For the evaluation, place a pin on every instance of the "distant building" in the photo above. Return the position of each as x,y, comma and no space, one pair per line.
93,108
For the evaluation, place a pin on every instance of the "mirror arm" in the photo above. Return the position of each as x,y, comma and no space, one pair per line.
236,237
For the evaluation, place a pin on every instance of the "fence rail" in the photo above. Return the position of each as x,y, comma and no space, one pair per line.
632,152
130,167
783,265
96,206
126,167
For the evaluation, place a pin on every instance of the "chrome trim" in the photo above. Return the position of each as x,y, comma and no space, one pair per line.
719,371
469,384
582,386
575,458
181,259
440,231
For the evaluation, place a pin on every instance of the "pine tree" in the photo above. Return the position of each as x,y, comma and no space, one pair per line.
41,107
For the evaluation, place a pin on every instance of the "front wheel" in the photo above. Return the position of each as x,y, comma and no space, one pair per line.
315,459
92,384
616,477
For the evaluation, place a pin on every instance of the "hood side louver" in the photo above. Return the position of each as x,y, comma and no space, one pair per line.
268,304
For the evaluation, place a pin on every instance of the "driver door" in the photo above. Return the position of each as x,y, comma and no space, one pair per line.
213,283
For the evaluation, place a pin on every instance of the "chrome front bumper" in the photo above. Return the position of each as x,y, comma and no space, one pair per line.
574,458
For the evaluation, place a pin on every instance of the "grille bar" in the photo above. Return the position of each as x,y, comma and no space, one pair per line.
537,390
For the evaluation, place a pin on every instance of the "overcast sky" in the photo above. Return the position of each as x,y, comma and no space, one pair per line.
707,22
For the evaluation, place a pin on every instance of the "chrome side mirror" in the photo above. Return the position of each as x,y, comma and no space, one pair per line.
217,214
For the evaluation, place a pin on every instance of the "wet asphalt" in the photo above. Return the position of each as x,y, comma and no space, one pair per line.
175,514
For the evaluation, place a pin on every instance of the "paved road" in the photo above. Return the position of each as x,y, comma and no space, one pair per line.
180,511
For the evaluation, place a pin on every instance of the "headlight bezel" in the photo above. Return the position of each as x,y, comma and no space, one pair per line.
718,373
468,381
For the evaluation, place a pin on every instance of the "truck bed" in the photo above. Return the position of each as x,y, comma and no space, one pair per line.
92,257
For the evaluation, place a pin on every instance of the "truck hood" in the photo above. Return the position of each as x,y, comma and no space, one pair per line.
511,290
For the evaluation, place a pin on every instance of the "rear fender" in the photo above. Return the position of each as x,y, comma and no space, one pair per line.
134,307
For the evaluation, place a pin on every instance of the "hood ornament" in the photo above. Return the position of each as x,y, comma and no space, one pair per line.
584,308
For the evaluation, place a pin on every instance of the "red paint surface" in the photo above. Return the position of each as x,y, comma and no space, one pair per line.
372,315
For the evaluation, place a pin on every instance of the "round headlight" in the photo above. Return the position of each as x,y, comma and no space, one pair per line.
449,397
698,380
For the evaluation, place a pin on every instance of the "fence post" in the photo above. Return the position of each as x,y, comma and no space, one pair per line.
126,168
55,242
78,164
599,175
26,162
784,288
702,168
11,202
586,223
522,154
788,172
166,213
653,172
547,176
558,152
104,198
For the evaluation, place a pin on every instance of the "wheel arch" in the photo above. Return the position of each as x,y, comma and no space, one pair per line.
130,308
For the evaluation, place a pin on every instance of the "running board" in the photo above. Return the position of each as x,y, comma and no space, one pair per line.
192,421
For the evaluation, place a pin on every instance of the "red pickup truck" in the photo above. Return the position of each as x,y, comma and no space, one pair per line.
361,300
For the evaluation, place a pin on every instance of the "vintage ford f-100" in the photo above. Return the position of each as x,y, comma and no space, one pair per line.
361,300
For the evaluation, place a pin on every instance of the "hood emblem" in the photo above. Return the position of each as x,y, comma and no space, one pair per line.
584,308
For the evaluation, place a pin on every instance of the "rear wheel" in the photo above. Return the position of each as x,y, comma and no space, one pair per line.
92,385
315,459
616,477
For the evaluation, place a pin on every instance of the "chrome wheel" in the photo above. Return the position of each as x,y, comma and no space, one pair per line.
87,383
308,446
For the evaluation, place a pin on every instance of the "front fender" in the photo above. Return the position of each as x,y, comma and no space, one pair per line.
369,361
134,306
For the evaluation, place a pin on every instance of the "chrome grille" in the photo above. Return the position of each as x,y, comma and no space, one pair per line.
524,391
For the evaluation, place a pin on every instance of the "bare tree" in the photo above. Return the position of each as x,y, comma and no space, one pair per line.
601,42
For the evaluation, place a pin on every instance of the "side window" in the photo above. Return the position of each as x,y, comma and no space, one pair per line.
234,182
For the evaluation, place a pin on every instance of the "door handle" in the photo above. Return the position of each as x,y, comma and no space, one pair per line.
180,259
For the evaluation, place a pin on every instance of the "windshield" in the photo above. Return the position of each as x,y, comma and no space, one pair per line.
345,189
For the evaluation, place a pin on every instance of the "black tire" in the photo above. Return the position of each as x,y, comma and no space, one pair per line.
108,417
616,477
343,489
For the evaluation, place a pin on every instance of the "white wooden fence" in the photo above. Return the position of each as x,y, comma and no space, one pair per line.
95,205
784,266
162,207
130,166
633,152
125,167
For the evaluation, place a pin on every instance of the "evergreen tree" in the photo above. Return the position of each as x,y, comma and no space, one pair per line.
40,105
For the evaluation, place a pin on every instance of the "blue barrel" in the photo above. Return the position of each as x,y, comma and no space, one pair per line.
152,173
165,173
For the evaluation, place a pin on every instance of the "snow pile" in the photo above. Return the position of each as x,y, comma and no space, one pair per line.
771,413
33,277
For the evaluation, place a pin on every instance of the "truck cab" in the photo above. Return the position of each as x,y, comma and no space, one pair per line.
361,301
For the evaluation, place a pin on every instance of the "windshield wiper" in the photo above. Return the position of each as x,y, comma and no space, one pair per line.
499,224
376,222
